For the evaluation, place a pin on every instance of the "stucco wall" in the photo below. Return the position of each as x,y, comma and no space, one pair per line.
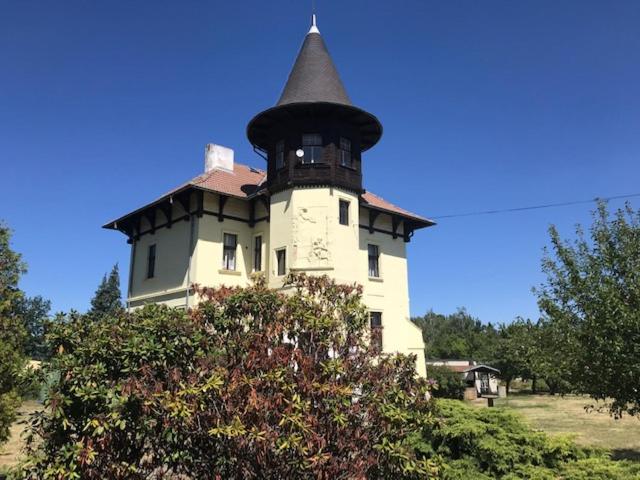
207,267
305,221
172,253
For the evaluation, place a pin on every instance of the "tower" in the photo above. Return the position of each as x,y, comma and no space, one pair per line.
313,139
314,135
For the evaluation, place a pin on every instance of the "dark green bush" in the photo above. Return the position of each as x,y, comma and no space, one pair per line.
449,384
487,443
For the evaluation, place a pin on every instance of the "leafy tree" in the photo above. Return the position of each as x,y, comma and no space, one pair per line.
12,332
550,362
592,298
516,351
107,299
458,335
252,384
35,313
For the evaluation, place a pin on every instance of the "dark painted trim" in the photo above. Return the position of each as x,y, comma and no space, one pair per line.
204,212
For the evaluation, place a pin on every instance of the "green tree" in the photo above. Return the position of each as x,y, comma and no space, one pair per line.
107,299
35,313
252,383
550,362
592,297
458,335
516,351
12,331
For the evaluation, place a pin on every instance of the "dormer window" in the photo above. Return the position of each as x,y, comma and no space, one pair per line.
312,148
280,154
346,160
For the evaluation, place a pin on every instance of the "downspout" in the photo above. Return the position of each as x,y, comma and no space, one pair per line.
132,260
192,224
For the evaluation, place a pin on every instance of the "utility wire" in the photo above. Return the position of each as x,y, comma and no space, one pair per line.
535,207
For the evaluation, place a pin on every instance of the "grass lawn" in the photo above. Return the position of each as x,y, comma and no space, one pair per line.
10,452
567,415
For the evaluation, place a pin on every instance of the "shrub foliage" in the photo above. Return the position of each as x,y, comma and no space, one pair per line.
448,384
490,443
252,384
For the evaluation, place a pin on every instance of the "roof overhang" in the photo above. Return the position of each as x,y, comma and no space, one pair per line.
259,128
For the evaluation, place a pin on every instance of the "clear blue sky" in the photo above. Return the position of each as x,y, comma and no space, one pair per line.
493,104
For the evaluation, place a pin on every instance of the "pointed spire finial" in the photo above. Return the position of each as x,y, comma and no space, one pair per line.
314,27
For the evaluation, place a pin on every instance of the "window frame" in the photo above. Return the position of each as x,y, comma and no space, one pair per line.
345,152
376,273
227,248
257,253
377,329
280,272
152,252
317,147
279,154
347,206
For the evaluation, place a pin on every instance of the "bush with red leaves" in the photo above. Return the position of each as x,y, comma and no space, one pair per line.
253,383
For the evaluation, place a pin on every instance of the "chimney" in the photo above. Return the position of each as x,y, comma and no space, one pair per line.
218,157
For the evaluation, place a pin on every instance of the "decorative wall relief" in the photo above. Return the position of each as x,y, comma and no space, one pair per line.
311,237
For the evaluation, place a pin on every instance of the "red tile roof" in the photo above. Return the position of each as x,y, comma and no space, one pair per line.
246,181
380,203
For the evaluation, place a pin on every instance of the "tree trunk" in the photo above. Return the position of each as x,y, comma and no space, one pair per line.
534,384
508,383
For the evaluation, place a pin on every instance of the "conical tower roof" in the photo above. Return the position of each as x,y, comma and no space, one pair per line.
313,88
314,77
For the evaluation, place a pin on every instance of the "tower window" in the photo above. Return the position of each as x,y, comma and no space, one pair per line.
344,212
229,251
151,261
257,253
346,160
312,148
281,260
375,320
280,154
374,257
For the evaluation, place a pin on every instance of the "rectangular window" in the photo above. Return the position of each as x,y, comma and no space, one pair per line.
280,154
281,260
312,148
257,253
151,261
374,256
346,160
229,251
344,212
375,320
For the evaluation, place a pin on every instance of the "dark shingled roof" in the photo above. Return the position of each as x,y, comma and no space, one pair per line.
313,88
314,77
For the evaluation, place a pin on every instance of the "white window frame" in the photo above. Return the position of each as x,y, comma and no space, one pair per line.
379,263
277,261
235,253
340,202
253,253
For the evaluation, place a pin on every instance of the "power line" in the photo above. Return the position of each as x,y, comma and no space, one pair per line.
535,207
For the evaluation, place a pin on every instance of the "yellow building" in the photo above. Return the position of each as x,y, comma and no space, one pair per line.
308,212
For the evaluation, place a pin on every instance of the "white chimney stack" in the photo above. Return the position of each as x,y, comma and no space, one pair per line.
218,157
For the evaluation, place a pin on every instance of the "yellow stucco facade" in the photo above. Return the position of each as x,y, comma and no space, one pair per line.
304,222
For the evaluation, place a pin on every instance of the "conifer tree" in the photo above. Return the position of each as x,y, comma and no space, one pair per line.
12,332
107,299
